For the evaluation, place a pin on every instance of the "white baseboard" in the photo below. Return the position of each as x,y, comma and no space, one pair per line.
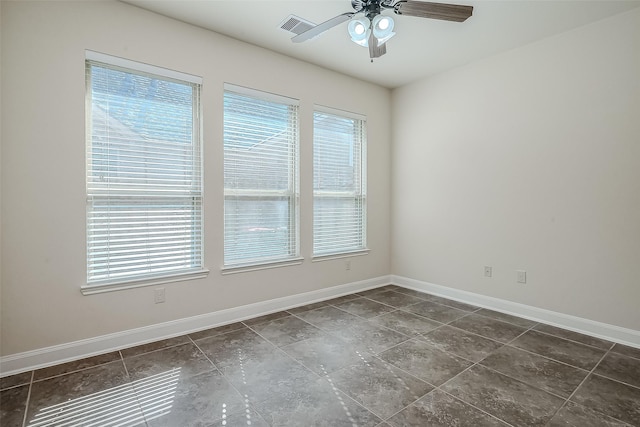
40,358
585,326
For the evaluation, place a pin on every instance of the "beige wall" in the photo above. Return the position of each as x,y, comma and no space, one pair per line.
43,168
527,160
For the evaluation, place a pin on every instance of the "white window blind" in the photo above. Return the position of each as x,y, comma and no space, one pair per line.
144,174
260,178
339,183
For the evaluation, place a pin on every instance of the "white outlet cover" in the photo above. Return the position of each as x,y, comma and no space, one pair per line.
487,271
522,276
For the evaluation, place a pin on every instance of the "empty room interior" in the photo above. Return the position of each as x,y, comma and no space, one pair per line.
320,213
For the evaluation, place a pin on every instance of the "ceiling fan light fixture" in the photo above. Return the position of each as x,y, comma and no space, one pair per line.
359,30
383,28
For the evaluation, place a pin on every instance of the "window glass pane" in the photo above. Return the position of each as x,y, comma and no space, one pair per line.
337,224
258,229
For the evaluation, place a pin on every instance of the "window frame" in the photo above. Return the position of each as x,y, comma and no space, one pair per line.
292,193
135,280
358,193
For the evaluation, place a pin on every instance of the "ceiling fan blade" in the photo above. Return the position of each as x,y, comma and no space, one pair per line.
321,28
376,51
422,9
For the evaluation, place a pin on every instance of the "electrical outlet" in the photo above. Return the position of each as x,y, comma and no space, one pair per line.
347,265
487,271
158,295
522,276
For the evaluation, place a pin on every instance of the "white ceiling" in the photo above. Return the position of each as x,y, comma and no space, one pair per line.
422,47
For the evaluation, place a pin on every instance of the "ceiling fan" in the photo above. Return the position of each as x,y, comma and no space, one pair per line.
373,29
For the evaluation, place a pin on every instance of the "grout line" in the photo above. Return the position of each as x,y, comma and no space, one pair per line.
616,380
76,370
523,382
548,358
371,354
133,389
242,396
574,341
124,364
376,356
568,399
502,343
28,401
474,406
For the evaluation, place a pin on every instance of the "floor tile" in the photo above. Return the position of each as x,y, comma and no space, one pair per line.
100,395
438,409
461,343
198,400
576,415
425,362
452,303
216,331
317,403
365,307
370,338
286,331
518,321
320,365
15,380
621,368
379,386
553,347
307,307
184,360
328,318
153,346
535,370
324,354
413,293
373,291
76,365
266,318
342,299
406,323
434,311
270,373
627,351
394,299
574,336
247,418
610,397
13,403
490,328
508,399
228,349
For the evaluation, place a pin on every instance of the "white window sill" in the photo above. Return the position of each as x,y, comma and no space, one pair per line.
151,281
341,255
263,266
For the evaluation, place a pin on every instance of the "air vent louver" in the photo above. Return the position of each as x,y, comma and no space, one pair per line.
296,25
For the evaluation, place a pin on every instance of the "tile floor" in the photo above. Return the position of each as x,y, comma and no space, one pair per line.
385,357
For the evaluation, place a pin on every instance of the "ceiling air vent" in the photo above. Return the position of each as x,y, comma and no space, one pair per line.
296,25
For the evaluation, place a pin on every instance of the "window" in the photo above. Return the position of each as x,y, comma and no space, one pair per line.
339,183
260,178
144,183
